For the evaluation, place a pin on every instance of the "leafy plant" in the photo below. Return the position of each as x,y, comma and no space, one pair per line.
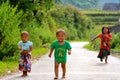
9,31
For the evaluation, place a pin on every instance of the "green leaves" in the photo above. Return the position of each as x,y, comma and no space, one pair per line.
41,18
72,20
9,31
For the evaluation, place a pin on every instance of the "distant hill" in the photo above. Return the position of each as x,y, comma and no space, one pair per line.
102,2
88,4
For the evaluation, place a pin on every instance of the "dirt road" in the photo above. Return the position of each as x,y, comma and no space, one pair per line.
81,65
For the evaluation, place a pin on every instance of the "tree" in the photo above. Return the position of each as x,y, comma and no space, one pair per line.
9,31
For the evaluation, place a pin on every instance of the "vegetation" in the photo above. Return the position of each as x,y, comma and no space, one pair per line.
41,18
9,31
82,4
103,17
41,21
88,4
115,43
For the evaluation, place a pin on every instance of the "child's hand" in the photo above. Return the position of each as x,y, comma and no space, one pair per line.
92,40
69,52
49,55
24,52
20,48
106,36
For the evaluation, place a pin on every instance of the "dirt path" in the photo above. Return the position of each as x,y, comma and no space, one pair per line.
81,65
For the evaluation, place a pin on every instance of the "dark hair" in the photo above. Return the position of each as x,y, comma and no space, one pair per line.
103,29
24,33
60,30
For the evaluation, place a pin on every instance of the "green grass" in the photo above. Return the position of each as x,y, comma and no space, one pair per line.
11,63
89,47
8,65
116,49
38,52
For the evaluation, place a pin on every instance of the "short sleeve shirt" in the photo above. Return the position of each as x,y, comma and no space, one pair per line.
60,53
26,45
102,44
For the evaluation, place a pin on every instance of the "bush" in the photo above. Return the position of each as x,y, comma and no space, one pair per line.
9,31
115,43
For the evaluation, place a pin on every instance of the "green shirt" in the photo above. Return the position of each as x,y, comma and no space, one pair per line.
60,51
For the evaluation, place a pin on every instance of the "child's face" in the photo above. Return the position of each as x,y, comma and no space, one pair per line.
60,36
105,30
24,38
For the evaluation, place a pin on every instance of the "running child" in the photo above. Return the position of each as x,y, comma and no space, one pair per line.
105,38
61,46
25,48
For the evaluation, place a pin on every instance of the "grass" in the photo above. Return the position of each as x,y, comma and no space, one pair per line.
38,52
11,63
99,12
88,46
8,65
116,49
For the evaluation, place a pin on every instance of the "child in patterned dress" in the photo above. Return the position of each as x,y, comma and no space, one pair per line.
25,48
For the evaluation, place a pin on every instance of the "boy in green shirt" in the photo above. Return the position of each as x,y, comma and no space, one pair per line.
60,46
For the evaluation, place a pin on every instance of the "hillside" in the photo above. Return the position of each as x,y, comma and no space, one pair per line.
103,17
102,2
88,4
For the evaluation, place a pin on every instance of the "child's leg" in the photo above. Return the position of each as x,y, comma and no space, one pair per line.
106,58
56,68
63,65
25,73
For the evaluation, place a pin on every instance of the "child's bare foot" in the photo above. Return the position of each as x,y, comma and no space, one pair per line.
106,62
63,78
23,75
101,60
55,78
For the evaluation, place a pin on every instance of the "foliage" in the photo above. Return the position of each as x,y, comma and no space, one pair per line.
73,20
88,4
115,43
82,4
9,31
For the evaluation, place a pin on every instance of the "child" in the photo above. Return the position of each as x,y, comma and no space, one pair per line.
105,38
25,48
61,46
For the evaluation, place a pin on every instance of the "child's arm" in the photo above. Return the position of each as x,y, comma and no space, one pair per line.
108,37
19,47
95,38
30,49
27,51
51,51
69,52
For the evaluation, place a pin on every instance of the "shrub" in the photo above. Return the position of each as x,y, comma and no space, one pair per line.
9,31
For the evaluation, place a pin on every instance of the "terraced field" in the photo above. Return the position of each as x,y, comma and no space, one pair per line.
103,17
